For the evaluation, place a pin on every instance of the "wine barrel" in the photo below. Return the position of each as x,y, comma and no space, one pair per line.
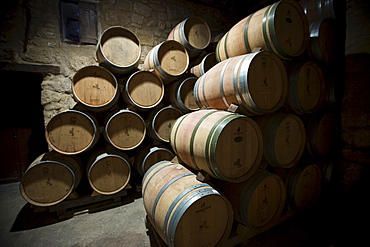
193,33
108,171
95,88
119,50
149,155
182,95
184,211
319,9
50,178
207,62
322,131
281,28
323,47
284,138
257,202
124,129
256,82
306,87
72,132
169,60
160,121
227,146
303,183
143,90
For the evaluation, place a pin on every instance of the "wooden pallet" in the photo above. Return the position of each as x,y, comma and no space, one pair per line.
75,204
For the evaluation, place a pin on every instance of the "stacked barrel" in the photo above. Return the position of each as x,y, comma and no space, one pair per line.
267,126
252,109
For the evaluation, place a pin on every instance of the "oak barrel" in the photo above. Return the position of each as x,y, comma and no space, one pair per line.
227,146
151,154
143,90
169,60
306,87
257,202
256,82
206,63
119,50
96,88
193,33
124,129
322,132
303,183
160,121
108,171
184,211
182,94
50,178
319,9
323,46
281,28
284,138
72,132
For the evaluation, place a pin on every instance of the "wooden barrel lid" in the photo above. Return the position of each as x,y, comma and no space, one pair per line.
323,43
173,58
197,32
160,123
120,46
290,28
95,87
125,130
182,95
306,87
47,182
304,185
284,138
144,90
266,202
258,201
150,156
236,148
71,132
109,173
266,82
321,134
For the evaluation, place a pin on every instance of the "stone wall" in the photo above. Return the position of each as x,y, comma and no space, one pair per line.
355,114
31,36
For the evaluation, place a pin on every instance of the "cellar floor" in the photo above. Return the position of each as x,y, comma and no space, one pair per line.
332,223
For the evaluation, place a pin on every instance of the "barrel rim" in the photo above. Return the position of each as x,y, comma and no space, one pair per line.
99,48
175,96
260,176
292,182
92,166
201,21
157,60
88,116
104,106
292,95
128,96
151,152
42,162
269,147
154,117
243,88
106,132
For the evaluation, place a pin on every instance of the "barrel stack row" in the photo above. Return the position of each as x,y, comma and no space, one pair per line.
265,131
250,107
